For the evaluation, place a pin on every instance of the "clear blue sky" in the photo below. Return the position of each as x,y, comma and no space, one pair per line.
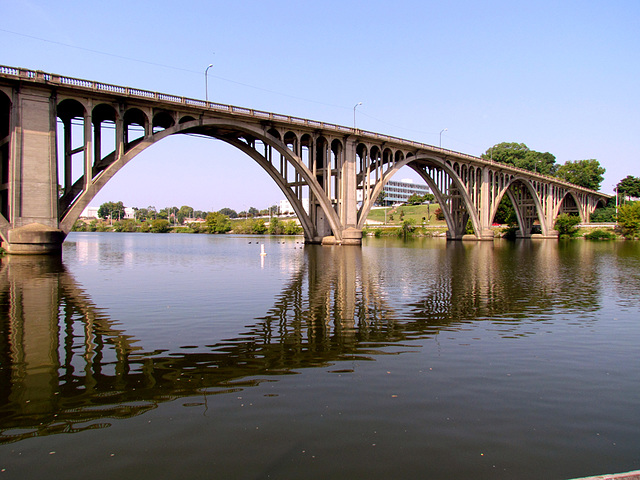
562,77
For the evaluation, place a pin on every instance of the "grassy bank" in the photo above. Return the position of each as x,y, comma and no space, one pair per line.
417,214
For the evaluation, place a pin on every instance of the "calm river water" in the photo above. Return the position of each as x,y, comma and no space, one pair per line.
192,356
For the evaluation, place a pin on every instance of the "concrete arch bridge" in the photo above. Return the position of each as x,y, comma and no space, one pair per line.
341,170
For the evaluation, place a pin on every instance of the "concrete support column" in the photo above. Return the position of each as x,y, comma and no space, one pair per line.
486,203
88,148
34,179
120,135
548,216
348,201
68,156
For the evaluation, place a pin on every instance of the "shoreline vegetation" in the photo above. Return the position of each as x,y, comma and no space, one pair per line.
425,220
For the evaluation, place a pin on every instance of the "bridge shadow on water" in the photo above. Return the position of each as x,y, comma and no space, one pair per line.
66,367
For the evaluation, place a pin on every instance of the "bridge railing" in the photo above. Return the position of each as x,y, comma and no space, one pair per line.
38,75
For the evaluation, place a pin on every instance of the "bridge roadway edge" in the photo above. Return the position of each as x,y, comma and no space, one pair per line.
40,194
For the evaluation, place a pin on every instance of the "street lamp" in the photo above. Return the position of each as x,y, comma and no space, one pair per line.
206,82
354,114
443,130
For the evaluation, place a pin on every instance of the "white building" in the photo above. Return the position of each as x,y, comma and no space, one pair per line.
92,212
396,192
399,192
286,208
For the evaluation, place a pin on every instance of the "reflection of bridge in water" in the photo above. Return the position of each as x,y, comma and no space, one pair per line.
66,367
506,282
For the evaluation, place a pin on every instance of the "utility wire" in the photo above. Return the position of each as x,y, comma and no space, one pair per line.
162,65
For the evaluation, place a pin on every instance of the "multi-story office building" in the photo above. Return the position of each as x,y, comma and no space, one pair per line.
395,192
400,191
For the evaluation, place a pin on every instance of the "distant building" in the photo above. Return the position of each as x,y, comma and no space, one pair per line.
400,191
286,208
395,192
92,212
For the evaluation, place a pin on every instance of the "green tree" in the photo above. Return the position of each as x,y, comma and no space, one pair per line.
415,199
629,187
275,226
163,213
160,225
146,214
258,227
381,198
127,225
228,212
506,214
602,215
519,155
114,210
290,227
253,212
218,223
629,219
185,211
141,214
406,228
567,225
585,173
79,226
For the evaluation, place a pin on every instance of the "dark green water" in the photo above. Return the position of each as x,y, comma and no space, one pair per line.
182,356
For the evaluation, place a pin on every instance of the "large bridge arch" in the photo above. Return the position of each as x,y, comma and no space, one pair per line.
237,134
444,180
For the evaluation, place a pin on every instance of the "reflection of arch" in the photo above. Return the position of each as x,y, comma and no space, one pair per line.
333,307
330,305
42,376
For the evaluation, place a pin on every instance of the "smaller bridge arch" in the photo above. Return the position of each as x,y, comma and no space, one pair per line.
526,203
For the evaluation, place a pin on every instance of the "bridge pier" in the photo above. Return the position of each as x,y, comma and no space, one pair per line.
34,239
350,236
32,226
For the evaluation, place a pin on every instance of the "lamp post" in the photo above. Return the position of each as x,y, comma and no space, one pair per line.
354,114
206,82
443,130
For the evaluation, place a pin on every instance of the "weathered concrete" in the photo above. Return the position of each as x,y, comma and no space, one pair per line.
34,239
340,170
